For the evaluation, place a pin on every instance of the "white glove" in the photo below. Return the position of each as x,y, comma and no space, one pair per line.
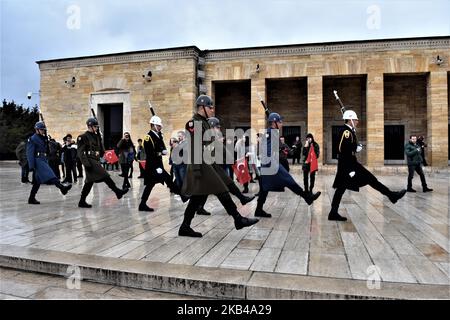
359,148
164,152
352,174
159,170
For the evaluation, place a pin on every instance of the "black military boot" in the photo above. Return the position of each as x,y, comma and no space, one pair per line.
120,192
201,211
187,231
244,199
242,222
143,207
32,200
309,197
335,216
63,188
259,212
33,192
395,196
83,204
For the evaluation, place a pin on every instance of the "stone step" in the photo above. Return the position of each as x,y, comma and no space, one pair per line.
206,282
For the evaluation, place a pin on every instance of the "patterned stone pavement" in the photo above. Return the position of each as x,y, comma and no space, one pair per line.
406,243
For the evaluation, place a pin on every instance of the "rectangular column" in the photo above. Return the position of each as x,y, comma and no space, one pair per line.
258,117
375,119
315,111
437,119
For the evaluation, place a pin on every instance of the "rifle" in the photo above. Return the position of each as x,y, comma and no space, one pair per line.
95,116
266,109
151,108
339,101
41,116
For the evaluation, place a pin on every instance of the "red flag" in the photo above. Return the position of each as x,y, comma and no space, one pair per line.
312,160
240,169
110,156
142,163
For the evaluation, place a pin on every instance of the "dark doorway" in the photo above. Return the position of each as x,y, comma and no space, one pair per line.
335,141
394,139
290,133
232,101
112,124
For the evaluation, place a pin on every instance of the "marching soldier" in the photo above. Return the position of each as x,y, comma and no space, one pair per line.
37,156
281,179
154,169
350,173
202,179
90,149
232,187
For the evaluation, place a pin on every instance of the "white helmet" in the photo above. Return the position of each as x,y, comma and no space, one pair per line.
156,121
350,115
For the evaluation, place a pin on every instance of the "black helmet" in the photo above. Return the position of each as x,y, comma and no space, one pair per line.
214,122
40,125
274,117
92,122
204,100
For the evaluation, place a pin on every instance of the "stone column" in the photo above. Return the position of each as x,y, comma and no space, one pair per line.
258,117
375,119
437,119
315,111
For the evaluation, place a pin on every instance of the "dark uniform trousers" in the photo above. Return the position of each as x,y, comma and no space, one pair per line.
198,201
88,186
167,180
373,182
291,185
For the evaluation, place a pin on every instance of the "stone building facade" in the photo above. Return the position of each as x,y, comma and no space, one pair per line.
398,87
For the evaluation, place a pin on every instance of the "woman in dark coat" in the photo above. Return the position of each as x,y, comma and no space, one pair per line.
127,153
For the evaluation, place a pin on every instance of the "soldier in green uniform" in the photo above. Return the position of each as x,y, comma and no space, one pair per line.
202,179
90,149
350,173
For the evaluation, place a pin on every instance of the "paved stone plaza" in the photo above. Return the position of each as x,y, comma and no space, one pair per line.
407,242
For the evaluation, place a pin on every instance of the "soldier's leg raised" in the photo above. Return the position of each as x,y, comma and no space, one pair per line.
64,189
119,192
84,193
308,197
393,196
143,205
189,213
234,190
34,190
334,215
239,221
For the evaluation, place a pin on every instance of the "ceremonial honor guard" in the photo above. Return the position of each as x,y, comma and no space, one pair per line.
281,179
90,149
202,179
350,173
154,171
37,156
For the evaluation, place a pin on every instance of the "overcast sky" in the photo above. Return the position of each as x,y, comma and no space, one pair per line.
34,30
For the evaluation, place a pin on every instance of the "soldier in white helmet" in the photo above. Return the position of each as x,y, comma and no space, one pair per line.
350,173
155,149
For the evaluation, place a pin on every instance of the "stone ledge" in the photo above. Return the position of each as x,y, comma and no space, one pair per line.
207,282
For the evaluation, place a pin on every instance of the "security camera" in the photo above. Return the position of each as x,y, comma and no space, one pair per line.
29,95
147,76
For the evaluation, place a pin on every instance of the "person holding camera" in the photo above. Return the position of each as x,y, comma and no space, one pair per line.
414,156
307,173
